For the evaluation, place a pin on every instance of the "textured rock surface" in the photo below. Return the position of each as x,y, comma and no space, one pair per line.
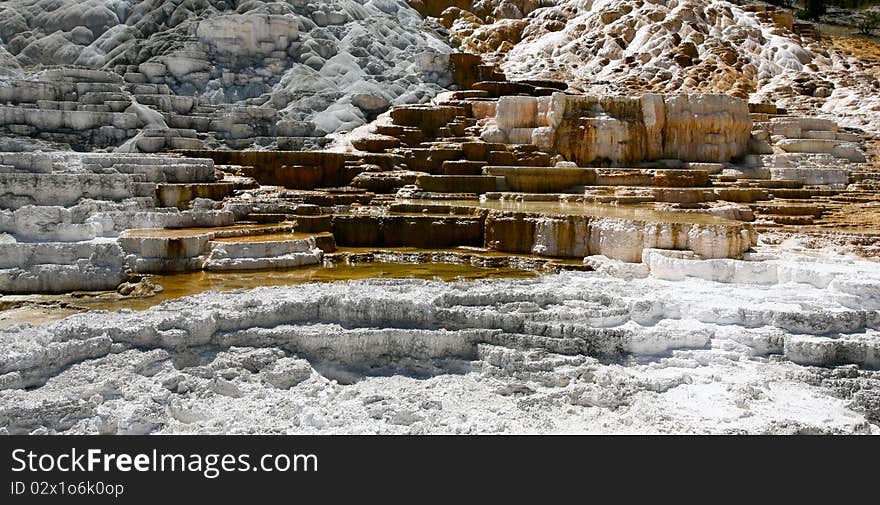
670,46
585,352
63,211
240,72
618,238
620,130
674,322
74,221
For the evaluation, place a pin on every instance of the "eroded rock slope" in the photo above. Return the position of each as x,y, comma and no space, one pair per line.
667,46
233,73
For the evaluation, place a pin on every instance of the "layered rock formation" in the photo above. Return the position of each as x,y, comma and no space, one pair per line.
66,220
683,146
621,130
709,351
751,51
616,140
616,238
260,73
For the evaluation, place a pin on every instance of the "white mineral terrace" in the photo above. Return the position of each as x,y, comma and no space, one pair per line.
429,216
725,347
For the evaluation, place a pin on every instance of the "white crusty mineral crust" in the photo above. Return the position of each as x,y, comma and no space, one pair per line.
731,352
156,76
668,46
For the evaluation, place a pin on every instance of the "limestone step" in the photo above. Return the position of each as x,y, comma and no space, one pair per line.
57,267
308,210
430,118
327,199
19,92
150,89
479,151
855,198
189,122
429,159
240,183
134,78
511,196
597,230
819,134
864,176
846,150
100,97
110,159
57,105
542,179
503,158
375,143
206,262
409,135
802,193
62,189
76,120
786,219
294,143
788,209
463,167
430,208
171,173
746,183
545,83
179,195
762,108
849,137
227,256
144,189
793,127
460,183
156,144
779,184
741,195
683,178
178,104
684,195
469,94
312,224
624,177
812,176
83,88
102,108
497,89
408,230
266,217
710,168
163,250
166,244
619,199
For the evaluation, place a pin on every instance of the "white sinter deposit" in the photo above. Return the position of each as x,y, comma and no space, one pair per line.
670,46
244,72
785,345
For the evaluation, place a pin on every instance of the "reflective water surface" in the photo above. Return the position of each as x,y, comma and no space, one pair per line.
190,283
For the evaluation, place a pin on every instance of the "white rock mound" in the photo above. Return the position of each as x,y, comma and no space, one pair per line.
716,351
669,46
239,72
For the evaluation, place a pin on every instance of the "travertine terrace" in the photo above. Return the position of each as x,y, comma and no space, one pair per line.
664,215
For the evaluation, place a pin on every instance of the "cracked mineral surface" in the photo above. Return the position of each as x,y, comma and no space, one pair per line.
792,351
